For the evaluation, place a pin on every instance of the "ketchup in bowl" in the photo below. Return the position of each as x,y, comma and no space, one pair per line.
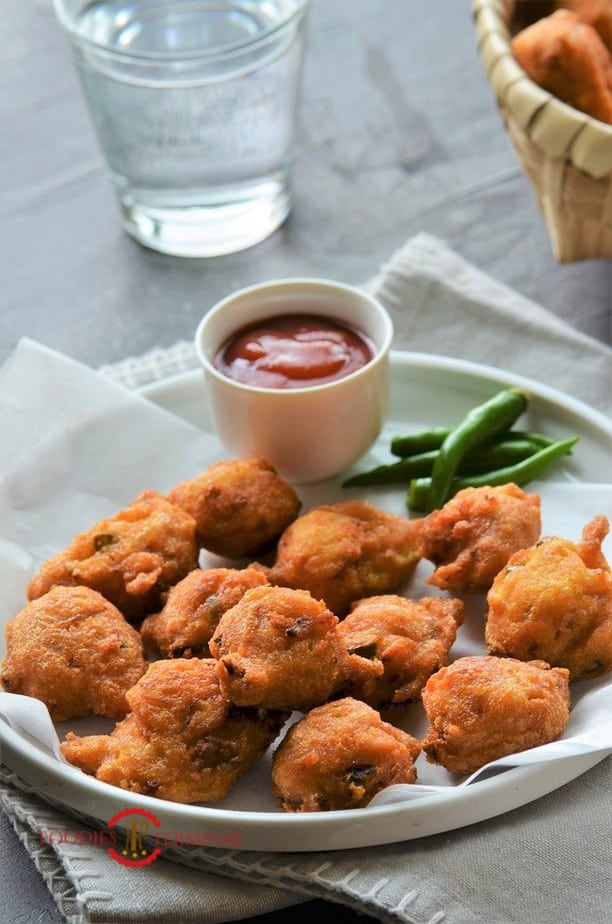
296,372
293,351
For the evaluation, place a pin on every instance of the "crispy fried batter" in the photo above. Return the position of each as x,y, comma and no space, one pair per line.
597,13
473,535
554,602
568,58
342,552
482,708
73,650
241,506
193,608
183,740
131,558
396,644
339,756
279,648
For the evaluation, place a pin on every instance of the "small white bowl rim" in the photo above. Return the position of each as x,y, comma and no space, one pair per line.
306,281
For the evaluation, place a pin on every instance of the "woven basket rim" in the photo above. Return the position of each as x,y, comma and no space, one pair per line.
557,129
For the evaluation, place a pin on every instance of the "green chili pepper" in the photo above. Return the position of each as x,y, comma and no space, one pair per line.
479,424
488,457
521,473
413,444
102,541
426,440
541,439
401,471
478,459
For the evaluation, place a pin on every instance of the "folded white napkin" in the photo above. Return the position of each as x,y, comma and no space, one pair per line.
514,869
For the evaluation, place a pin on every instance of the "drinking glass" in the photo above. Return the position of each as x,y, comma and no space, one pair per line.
195,105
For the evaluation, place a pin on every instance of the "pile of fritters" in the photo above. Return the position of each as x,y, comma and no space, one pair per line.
204,666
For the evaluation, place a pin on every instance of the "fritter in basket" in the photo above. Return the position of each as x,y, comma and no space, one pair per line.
568,58
339,756
194,606
597,13
473,535
554,602
131,558
73,650
482,708
183,739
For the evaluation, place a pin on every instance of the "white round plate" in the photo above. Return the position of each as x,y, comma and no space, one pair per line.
426,390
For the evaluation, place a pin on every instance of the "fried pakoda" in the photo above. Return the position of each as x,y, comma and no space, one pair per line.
395,644
279,648
339,756
183,739
554,602
473,535
73,650
131,558
240,506
194,606
568,58
597,13
342,552
482,708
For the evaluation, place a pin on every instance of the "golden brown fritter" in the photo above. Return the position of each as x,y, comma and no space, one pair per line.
194,606
568,58
554,602
482,708
240,506
342,552
183,740
473,535
131,558
396,644
339,756
73,650
597,13
278,648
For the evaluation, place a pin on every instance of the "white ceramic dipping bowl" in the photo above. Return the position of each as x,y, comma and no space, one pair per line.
308,433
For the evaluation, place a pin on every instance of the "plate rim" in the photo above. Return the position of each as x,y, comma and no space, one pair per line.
431,362
326,824
400,358
331,830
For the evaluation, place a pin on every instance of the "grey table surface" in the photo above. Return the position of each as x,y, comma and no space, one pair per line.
399,134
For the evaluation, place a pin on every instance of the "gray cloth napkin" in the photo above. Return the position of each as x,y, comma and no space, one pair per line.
547,862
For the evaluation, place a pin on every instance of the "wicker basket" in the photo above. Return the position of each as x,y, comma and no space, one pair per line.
566,154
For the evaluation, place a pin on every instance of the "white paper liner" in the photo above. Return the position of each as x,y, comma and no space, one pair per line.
77,447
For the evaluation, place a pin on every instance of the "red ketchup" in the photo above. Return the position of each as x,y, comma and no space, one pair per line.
293,351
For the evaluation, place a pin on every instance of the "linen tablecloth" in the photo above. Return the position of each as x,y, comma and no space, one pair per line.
547,862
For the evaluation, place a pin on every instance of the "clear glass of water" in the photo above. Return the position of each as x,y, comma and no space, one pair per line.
195,105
